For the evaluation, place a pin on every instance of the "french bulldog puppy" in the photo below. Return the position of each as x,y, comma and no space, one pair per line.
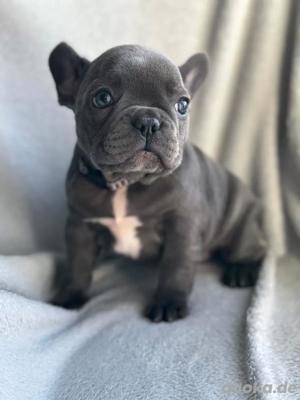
136,186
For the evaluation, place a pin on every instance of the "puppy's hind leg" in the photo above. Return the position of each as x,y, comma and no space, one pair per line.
243,257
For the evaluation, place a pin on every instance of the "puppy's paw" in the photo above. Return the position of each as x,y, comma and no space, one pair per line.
117,184
70,299
166,310
241,275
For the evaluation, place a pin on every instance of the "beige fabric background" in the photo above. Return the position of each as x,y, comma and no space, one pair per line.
237,115
254,74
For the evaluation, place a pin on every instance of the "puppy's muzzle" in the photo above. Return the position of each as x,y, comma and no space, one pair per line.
138,132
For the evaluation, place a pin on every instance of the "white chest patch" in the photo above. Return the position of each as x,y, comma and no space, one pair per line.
122,227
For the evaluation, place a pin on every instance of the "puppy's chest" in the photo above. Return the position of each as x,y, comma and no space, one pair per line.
123,227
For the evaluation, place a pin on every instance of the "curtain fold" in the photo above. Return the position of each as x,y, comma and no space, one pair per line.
235,117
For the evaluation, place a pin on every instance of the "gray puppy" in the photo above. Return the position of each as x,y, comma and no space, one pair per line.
136,186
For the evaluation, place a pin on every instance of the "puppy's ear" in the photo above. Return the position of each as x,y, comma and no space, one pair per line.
194,71
68,70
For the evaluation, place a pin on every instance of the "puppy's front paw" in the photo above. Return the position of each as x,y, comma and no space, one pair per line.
70,299
241,275
166,310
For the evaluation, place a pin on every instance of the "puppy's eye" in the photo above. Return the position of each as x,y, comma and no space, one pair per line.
182,105
102,99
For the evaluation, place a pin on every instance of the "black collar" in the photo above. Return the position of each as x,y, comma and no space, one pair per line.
92,174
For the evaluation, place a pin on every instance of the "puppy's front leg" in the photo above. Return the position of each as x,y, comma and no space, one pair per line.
176,277
81,255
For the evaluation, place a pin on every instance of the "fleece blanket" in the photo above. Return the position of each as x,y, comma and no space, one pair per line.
107,350
235,344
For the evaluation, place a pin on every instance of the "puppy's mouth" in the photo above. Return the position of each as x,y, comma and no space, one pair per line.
141,160
148,158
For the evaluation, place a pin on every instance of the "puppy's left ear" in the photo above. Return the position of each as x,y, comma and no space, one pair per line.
194,71
68,70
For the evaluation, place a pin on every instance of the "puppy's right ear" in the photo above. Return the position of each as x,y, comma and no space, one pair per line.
68,70
194,71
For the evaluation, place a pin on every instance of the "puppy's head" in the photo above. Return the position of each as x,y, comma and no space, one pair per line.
131,107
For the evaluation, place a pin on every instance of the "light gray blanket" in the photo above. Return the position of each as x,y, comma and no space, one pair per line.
273,331
108,351
235,344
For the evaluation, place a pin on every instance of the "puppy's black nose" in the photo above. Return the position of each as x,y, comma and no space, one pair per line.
146,125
